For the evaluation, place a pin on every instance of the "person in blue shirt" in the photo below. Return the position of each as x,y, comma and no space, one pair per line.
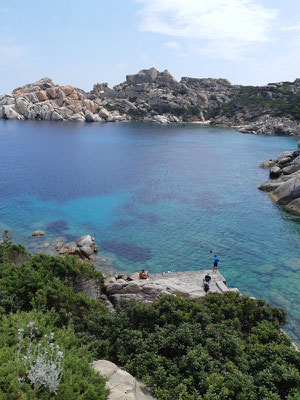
216,261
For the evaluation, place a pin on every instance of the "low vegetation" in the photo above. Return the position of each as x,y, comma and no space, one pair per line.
222,347
279,101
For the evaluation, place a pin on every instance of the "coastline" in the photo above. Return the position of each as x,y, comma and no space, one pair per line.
154,96
125,285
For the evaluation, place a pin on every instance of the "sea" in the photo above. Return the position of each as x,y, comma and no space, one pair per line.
157,197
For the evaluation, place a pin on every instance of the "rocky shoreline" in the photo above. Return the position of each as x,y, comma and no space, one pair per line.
125,286
284,186
128,286
153,96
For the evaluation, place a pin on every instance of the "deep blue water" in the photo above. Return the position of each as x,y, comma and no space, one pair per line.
158,197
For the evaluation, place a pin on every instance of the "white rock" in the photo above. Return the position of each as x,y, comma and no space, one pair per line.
104,113
97,118
85,240
161,119
7,100
121,384
86,251
56,116
79,117
9,112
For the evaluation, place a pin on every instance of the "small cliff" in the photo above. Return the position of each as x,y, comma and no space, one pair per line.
154,96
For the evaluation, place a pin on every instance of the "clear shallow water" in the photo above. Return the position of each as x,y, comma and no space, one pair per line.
158,197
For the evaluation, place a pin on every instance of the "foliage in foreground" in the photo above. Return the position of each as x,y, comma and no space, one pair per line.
78,380
44,282
224,347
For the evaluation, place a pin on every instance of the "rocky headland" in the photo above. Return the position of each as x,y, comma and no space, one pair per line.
284,186
153,96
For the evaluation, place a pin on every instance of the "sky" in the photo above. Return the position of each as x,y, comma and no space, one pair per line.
80,43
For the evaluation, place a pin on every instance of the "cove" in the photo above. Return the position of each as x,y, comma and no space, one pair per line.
157,197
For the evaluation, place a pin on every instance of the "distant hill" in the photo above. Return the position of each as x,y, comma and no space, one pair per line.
155,96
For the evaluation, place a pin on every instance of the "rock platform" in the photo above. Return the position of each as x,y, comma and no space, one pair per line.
188,284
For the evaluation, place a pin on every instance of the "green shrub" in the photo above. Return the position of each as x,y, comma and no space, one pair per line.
219,347
222,347
11,252
44,282
279,102
78,381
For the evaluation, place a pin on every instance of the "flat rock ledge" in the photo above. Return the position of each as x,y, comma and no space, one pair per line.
188,285
284,189
121,384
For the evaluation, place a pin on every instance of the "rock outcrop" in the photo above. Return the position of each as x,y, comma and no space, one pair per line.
84,247
269,125
187,284
43,100
285,190
154,96
38,233
121,384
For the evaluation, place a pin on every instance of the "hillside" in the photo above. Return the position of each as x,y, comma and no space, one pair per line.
154,96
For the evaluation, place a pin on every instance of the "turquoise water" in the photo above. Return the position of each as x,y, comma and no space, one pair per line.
157,197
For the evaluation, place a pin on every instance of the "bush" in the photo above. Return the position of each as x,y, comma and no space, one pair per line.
223,347
279,102
44,282
219,347
78,380
11,252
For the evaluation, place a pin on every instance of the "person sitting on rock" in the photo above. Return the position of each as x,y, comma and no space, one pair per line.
143,274
207,279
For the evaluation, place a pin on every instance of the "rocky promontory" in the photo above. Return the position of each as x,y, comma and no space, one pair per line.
154,96
284,187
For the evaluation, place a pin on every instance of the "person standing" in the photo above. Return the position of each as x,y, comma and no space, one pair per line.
216,262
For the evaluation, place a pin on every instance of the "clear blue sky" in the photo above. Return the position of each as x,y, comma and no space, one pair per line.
84,42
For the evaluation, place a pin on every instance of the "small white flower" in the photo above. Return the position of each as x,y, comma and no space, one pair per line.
60,353
30,324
